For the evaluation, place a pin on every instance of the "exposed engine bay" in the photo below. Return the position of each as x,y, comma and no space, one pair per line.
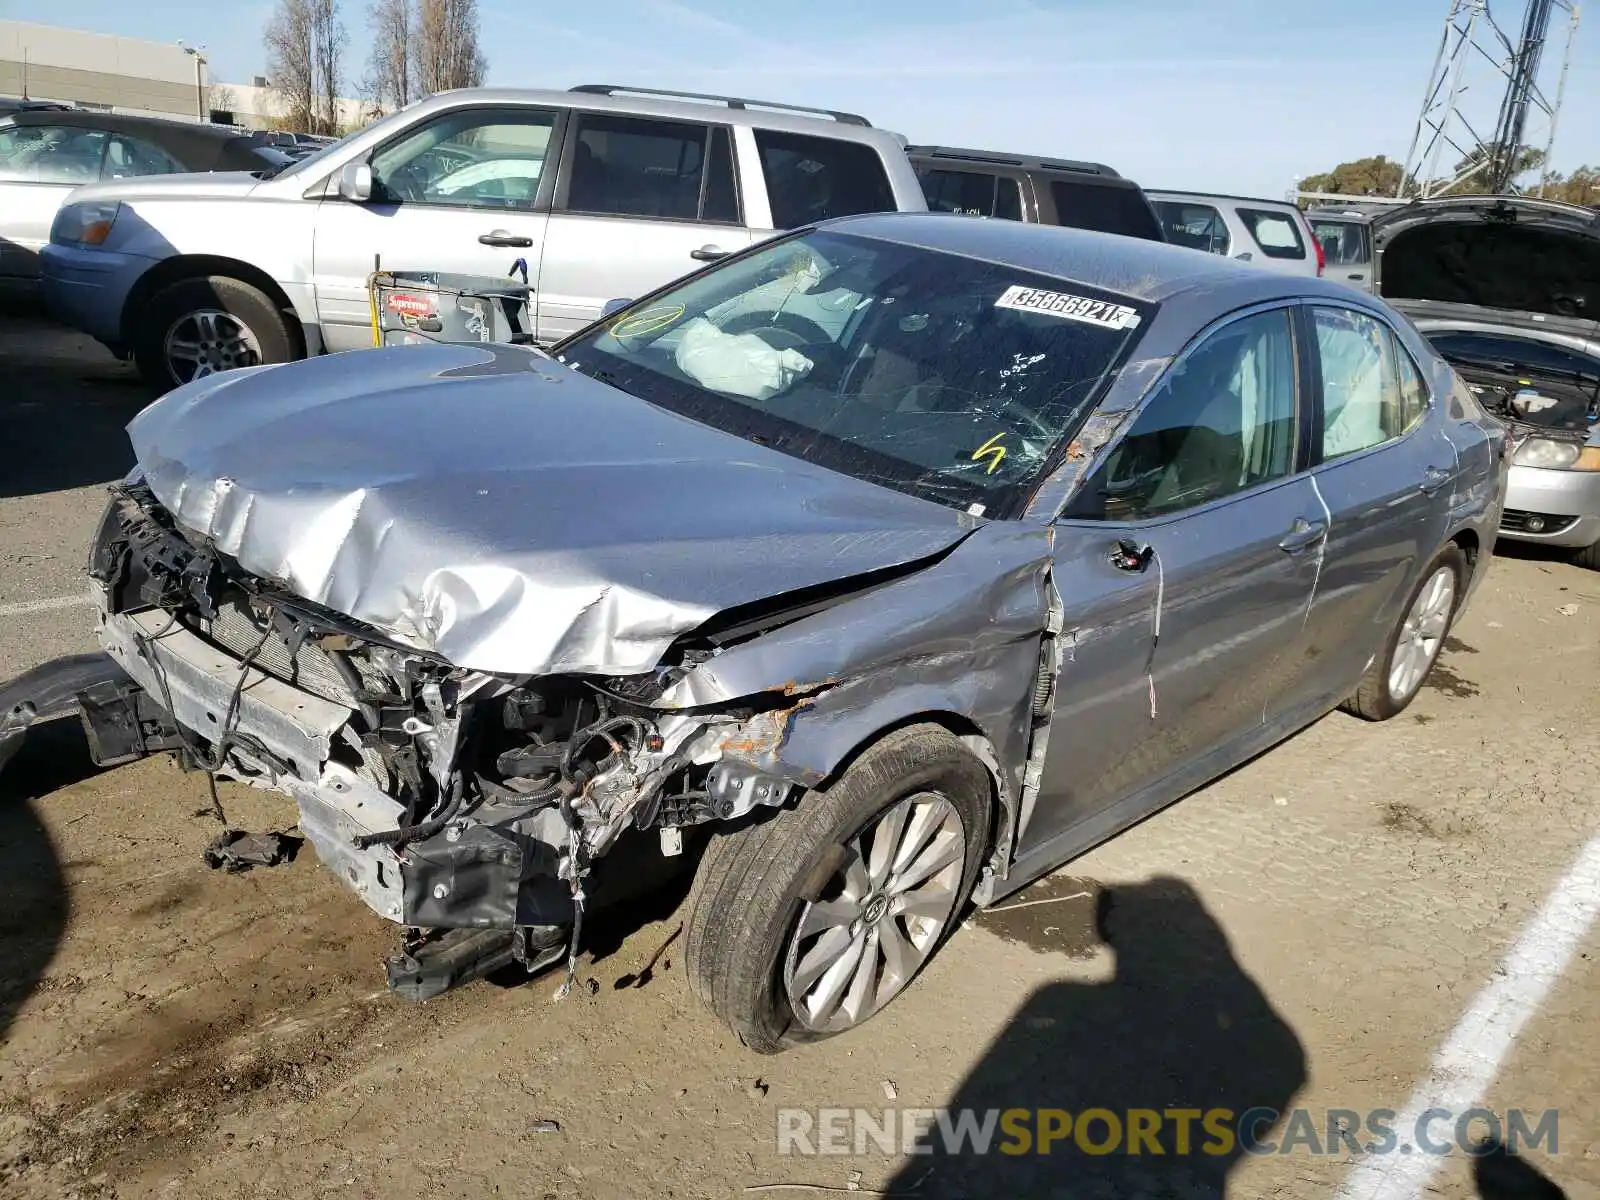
449,799
1554,405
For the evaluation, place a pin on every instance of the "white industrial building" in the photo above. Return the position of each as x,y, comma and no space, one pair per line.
128,75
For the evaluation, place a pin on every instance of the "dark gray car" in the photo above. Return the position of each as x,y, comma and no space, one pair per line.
900,560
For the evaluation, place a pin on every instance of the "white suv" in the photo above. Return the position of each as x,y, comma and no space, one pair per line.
603,192
1271,233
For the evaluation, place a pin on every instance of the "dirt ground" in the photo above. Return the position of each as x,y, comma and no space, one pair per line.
1305,932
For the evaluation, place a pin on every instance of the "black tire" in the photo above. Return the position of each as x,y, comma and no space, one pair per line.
274,331
1588,557
1373,700
753,882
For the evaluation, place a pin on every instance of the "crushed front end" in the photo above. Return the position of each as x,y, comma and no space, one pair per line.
467,807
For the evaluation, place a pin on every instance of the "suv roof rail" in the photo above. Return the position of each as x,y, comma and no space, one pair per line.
612,89
1024,161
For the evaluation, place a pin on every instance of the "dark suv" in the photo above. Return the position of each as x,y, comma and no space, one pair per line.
1044,191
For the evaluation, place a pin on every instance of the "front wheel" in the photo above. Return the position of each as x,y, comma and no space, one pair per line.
1589,557
1396,675
807,924
198,327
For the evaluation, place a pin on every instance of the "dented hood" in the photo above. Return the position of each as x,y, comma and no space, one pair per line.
489,505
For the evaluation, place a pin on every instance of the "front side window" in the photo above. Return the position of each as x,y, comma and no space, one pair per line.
640,167
1198,226
930,373
1344,243
471,159
1108,209
51,154
1221,421
1363,404
127,157
1276,233
974,193
811,179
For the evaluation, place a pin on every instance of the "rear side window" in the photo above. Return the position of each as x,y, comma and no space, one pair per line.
976,193
1276,233
1344,243
1197,226
638,167
1364,400
812,179
49,154
1121,210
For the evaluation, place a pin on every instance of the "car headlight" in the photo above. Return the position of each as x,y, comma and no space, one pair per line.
85,224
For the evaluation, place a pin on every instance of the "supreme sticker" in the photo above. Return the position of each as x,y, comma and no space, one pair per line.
412,306
1071,308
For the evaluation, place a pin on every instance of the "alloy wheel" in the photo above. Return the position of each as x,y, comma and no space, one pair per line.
1422,634
206,341
880,916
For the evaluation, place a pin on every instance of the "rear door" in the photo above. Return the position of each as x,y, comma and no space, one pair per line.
39,166
640,201
465,192
1386,473
1347,248
1186,565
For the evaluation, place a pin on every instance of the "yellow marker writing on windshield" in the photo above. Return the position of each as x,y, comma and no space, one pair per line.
992,451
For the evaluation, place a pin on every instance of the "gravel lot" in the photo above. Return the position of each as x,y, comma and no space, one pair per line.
1309,931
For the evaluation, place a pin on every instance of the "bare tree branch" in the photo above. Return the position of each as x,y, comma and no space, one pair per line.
291,62
389,77
328,38
446,51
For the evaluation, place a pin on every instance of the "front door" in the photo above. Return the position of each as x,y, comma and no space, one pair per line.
464,193
1186,563
39,167
640,202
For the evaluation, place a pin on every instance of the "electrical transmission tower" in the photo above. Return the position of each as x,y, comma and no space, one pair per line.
1489,98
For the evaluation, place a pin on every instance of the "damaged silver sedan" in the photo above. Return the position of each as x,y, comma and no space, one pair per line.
880,568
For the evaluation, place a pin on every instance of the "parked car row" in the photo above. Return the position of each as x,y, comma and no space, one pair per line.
605,193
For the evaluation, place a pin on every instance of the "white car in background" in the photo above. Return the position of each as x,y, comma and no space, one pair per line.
605,193
1269,233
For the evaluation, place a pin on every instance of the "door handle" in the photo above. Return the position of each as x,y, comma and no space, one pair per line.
708,254
1302,533
1356,275
1435,478
1128,555
500,237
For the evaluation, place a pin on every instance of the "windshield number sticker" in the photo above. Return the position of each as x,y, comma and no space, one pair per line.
1071,308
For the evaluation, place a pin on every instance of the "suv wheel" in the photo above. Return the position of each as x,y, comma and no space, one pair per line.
1396,675
1589,557
199,327
808,923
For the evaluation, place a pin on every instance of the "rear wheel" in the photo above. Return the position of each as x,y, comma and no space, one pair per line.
1396,675
807,924
198,327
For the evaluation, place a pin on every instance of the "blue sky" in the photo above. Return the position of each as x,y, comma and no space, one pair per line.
1237,95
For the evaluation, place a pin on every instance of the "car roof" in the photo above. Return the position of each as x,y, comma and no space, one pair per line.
1153,272
1025,162
725,111
1253,201
198,147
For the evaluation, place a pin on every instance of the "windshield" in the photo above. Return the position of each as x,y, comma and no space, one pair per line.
938,375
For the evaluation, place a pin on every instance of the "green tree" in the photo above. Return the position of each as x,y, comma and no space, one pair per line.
1376,176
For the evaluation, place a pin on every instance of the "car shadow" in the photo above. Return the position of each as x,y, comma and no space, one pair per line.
33,888
65,404
1498,1174
1180,1025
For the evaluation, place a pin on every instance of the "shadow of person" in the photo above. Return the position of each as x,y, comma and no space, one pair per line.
1500,1175
1180,1028
33,888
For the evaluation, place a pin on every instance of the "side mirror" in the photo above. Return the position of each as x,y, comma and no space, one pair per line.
355,182
613,306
